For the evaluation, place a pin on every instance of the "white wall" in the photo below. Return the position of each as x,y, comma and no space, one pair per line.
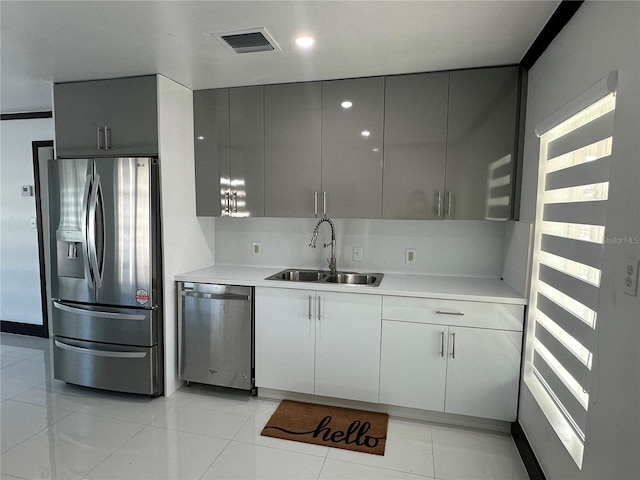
459,248
600,38
187,240
19,261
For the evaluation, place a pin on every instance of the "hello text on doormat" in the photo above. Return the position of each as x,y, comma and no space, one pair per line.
338,427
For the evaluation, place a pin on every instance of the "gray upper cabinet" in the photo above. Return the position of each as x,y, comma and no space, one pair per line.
211,132
229,151
481,142
293,126
106,117
448,140
415,136
352,136
246,141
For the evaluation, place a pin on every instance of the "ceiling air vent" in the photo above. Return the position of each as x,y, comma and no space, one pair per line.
248,41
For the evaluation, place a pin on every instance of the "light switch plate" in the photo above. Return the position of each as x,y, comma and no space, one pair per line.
410,255
256,248
631,276
357,254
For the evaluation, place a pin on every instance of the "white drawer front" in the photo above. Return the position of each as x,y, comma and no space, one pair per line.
453,312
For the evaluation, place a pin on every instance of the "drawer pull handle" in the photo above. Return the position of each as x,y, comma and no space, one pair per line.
442,344
98,313
100,353
440,312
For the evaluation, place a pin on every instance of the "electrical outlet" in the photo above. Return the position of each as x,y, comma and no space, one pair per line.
357,254
410,255
256,248
631,276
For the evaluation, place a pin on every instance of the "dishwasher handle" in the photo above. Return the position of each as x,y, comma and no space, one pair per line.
215,296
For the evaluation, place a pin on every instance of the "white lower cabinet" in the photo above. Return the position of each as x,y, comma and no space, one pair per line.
285,340
413,366
447,365
483,372
441,355
322,343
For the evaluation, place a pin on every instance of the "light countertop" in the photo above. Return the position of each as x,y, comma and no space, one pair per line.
428,286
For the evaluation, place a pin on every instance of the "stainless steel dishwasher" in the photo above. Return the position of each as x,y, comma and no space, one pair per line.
215,335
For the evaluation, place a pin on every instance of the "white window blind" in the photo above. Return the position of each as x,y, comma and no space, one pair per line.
573,188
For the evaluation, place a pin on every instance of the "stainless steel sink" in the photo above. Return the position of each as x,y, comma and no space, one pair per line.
324,276
371,279
293,275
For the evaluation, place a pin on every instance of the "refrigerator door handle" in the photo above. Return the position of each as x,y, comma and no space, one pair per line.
85,226
100,249
91,233
99,353
96,313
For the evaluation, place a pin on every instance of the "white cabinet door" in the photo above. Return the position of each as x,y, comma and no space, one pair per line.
483,372
285,339
413,365
348,346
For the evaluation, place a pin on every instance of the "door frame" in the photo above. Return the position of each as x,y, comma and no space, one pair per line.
26,328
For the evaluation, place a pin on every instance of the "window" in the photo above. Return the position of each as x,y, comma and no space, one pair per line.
573,188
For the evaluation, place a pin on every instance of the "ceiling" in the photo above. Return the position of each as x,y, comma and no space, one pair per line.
59,41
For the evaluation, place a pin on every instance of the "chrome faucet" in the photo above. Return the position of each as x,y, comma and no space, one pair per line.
314,237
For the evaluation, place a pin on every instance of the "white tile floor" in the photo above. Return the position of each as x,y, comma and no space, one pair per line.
53,430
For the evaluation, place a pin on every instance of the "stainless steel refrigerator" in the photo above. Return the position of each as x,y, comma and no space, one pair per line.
106,276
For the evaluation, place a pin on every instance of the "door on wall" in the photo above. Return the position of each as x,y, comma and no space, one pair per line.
42,152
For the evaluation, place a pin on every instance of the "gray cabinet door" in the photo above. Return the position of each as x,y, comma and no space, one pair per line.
211,132
415,135
352,147
107,117
481,143
246,128
293,141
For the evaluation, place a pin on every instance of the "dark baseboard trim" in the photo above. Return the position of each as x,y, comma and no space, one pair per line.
526,453
554,26
26,115
23,329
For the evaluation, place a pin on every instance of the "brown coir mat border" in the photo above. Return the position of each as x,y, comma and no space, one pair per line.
338,427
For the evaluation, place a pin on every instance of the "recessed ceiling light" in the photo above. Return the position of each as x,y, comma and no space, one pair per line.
200,137
346,104
365,133
304,41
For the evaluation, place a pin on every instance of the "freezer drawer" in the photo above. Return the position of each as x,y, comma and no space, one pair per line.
215,335
126,326
110,367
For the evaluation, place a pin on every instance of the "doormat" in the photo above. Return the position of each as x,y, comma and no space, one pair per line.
338,427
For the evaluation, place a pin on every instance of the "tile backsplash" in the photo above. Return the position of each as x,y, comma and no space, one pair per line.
454,247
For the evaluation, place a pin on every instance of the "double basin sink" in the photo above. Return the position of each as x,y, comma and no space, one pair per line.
324,276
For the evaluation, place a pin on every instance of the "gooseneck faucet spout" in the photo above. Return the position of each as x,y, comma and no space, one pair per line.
314,237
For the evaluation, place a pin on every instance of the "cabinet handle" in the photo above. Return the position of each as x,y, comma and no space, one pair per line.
450,204
99,131
453,345
441,312
227,203
324,203
439,204
235,202
310,307
442,344
107,138
319,308
315,204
